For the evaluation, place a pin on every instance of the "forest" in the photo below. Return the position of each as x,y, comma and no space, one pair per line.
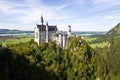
48,61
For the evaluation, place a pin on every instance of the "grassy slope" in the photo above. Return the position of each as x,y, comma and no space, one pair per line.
15,41
89,39
24,38
101,45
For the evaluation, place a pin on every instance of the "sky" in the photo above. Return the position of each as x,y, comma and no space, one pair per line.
81,15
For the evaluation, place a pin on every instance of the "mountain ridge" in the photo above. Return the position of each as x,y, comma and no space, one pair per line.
13,31
115,30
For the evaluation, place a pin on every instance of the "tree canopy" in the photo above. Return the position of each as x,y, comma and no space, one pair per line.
48,61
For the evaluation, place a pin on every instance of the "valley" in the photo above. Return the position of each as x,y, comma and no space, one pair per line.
88,58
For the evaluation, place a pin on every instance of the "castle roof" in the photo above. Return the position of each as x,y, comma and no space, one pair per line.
50,28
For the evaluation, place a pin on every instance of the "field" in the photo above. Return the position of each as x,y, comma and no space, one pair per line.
101,45
89,38
7,40
94,45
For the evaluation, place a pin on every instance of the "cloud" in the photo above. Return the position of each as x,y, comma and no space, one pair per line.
110,17
113,2
30,11
73,12
102,5
11,8
79,1
60,7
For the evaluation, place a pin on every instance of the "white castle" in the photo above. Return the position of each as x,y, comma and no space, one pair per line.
50,33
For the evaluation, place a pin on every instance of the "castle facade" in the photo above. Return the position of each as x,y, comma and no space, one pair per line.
50,33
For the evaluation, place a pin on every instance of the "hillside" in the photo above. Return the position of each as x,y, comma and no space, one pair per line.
112,33
48,61
3,30
28,61
7,31
115,30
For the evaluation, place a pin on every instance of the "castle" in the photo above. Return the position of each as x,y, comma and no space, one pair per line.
50,33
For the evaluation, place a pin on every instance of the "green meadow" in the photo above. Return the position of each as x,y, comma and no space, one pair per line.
89,38
15,40
94,45
101,45
5,41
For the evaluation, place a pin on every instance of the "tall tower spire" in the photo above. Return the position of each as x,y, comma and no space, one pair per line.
47,32
69,31
42,21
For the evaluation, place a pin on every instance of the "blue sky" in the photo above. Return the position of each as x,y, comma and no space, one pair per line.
82,15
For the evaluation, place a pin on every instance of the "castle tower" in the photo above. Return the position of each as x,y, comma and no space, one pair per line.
69,31
64,41
60,40
42,21
37,37
47,32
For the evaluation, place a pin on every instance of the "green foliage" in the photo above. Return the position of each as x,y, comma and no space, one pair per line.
114,31
16,63
108,61
101,45
78,60
48,61
113,58
9,40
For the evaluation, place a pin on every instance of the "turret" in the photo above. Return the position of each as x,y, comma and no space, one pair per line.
47,32
69,31
60,40
42,21
37,37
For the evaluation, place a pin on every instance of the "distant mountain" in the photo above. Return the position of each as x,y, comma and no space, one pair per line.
114,31
7,31
3,30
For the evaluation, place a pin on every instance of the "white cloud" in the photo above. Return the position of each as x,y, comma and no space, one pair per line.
106,2
11,8
100,5
111,17
30,11
60,7
79,1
